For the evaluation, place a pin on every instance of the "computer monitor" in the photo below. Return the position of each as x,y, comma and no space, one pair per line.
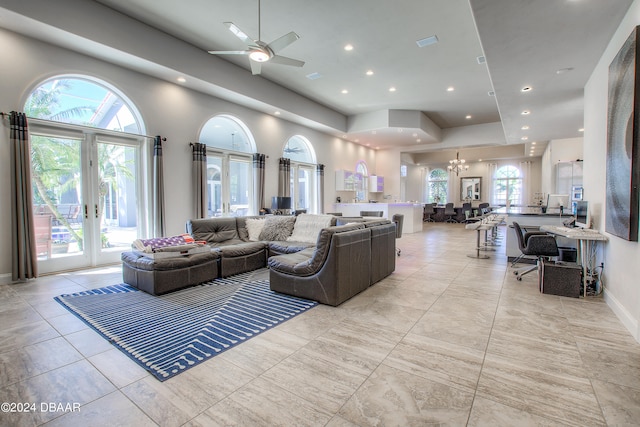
558,203
583,218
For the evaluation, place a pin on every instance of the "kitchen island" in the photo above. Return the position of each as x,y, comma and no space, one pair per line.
412,212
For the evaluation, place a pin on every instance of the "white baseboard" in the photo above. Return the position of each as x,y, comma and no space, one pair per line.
625,317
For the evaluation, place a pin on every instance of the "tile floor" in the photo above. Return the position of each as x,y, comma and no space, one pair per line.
445,340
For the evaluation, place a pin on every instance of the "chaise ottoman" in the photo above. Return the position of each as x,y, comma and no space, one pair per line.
159,276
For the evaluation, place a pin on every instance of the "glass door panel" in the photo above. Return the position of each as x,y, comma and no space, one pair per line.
58,205
214,185
116,208
239,186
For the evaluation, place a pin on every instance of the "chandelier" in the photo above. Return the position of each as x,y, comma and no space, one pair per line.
457,165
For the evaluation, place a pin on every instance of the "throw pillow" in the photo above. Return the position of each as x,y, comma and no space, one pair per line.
277,227
254,228
308,226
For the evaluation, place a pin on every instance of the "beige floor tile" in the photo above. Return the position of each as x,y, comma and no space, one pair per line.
118,368
606,361
36,359
396,398
76,383
450,364
561,397
487,413
262,403
619,403
324,381
111,410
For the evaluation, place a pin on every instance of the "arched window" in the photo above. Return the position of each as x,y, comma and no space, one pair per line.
362,181
229,173
88,158
437,184
83,101
303,185
507,185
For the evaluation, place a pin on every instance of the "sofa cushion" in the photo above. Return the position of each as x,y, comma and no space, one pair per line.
241,249
280,247
213,230
277,227
254,228
307,227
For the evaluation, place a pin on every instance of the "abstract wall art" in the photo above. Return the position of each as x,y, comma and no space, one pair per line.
623,162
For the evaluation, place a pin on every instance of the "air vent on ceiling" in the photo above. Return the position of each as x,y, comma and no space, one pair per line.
481,59
314,76
427,41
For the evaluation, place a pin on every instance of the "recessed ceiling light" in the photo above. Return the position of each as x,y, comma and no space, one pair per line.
581,130
468,116
418,140
450,89
526,112
357,140
348,47
525,127
345,91
415,135
368,145
526,89
524,138
392,89
369,73
181,79
277,113
427,41
533,143
479,160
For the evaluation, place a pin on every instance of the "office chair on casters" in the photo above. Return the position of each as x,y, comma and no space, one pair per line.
450,212
536,243
399,220
427,212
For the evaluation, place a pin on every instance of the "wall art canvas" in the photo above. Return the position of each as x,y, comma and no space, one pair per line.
623,162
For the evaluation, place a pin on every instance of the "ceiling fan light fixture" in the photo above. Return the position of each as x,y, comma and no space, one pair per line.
259,56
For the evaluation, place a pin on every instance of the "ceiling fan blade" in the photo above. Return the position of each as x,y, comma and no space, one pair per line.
277,59
256,67
240,34
282,42
228,52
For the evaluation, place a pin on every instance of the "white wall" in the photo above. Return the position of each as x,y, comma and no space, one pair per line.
167,109
622,268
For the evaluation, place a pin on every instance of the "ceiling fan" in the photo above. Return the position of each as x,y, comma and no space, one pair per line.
260,51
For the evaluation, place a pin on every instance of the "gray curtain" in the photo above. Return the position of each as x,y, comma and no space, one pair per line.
284,178
258,180
158,215
320,187
200,179
24,262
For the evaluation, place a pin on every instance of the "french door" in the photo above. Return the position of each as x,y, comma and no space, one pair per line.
87,197
229,185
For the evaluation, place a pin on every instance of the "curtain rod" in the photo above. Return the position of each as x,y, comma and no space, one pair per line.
61,124
240,152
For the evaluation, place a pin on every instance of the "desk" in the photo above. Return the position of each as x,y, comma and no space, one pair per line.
585,238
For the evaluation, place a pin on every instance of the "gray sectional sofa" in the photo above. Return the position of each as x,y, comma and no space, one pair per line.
342,259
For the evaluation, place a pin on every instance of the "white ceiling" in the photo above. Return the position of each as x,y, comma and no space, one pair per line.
525,42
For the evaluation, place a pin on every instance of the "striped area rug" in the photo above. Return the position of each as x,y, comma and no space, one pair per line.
171,333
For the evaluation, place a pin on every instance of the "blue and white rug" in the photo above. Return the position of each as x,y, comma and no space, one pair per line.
171,333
